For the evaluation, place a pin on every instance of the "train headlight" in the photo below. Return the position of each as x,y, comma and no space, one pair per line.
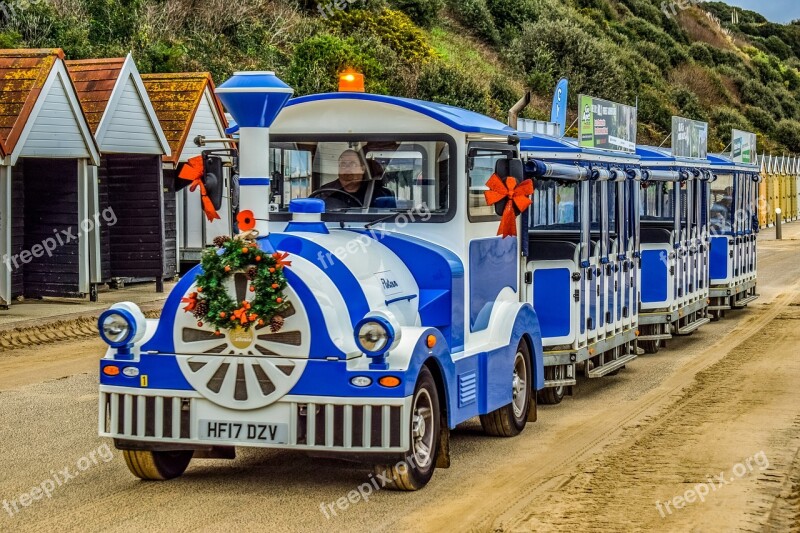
374,335
377,333
122,326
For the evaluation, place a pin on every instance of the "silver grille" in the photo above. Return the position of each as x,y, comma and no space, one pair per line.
342,425
140,416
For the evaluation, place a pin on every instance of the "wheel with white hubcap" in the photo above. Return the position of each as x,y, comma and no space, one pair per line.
510,420
415,470
157,466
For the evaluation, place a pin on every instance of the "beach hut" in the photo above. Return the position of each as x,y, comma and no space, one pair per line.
47,152
129,179
187,107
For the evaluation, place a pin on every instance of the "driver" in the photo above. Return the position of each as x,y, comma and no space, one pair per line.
354,183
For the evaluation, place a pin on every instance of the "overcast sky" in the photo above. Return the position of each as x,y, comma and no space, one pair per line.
774,10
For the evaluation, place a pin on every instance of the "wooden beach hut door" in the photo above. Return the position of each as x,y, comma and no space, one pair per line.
131,193
51,228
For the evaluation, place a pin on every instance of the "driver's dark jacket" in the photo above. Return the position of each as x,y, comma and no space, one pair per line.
334,200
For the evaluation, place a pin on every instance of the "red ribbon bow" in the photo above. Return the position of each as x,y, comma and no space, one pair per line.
280,259
517,195
190,301
240,315
193,171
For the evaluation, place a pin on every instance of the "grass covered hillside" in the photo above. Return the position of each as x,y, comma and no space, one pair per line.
478,54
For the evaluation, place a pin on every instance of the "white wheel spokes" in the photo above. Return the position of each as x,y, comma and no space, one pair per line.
422,428
241,382
518,384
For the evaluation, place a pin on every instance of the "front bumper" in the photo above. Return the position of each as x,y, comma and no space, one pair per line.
350,425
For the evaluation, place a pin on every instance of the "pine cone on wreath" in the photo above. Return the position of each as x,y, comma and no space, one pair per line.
276,323
252,272
220,241
201,309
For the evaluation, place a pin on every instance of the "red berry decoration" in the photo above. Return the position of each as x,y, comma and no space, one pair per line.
227,268
222,314
252,288
275,285
258,258
245,250
199,324
279,300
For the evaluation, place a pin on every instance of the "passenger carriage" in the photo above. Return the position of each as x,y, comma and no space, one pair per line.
675,246
733,226
403,317
584,259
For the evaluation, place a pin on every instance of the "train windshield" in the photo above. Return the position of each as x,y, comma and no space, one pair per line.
363,177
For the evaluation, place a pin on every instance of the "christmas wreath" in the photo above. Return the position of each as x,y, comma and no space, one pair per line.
211,302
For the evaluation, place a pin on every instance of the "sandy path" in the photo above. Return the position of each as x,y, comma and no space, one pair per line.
598,461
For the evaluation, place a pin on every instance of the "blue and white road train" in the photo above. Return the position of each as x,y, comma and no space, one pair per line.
425,277
674,246
406,313
733,218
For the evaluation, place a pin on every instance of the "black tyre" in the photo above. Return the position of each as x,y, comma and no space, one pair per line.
157,466
552,395
416,470
650,346
510,420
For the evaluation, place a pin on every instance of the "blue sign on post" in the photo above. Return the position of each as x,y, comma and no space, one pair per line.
559,113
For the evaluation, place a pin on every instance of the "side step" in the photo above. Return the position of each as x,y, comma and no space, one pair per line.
690,328
718,307
612,366
738,304
657,337
569,382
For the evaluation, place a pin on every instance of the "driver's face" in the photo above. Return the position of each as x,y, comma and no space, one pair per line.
351,172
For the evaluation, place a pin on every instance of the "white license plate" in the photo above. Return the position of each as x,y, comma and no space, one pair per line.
244,432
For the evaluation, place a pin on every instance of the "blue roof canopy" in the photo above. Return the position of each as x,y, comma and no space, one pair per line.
454,117
718,160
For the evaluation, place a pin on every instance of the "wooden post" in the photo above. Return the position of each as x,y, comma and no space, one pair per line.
5,236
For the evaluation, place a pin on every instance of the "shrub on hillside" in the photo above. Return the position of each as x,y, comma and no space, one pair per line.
761,119
654,109
725,119
757,94
592,66
449,84
701,53
424,13
644,30
391,27
317,62
475,15
689,105
788,134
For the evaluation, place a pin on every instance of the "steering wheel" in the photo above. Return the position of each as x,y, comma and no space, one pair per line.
336,191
